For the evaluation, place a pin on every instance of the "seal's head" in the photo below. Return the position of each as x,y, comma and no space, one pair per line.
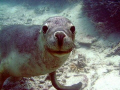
59,35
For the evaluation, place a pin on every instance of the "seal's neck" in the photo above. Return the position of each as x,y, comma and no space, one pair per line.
40,43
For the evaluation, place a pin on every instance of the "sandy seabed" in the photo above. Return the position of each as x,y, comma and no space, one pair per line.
95,61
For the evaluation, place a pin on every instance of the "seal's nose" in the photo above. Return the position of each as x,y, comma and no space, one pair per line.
60,37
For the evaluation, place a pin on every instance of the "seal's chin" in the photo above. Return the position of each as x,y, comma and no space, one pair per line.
59,53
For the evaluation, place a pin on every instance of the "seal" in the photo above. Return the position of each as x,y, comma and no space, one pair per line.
27,51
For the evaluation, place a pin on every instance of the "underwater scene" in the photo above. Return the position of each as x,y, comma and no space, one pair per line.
59,45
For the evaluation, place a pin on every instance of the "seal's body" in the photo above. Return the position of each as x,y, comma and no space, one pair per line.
27,51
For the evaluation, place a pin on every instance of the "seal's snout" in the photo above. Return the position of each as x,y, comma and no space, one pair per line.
60,35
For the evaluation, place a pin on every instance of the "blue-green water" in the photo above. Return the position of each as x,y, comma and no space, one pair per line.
96,57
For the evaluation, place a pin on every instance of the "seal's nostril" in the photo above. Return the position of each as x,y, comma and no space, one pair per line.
60,36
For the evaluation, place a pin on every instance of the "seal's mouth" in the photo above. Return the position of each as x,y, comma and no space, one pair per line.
59,52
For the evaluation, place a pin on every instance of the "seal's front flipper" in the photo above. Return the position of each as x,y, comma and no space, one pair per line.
58,86
2,79
1,82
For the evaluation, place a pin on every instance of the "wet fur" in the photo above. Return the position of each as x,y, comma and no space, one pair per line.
22,53
26,51
14,37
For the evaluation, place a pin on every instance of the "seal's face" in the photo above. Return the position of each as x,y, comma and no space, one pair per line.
59,35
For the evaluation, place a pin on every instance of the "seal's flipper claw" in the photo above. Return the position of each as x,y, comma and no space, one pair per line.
58,86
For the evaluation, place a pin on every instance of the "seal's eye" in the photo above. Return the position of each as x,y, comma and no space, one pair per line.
72,29
44,28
